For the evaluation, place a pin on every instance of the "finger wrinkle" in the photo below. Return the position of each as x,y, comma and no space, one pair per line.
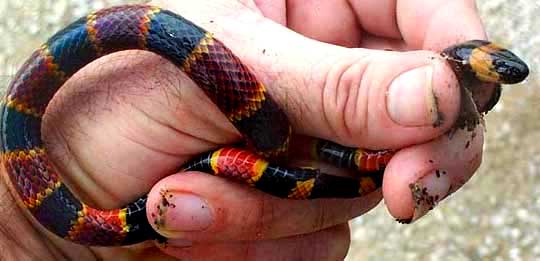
356,104
342,99
328,90
187,136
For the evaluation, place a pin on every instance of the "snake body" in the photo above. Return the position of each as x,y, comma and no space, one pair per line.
231,86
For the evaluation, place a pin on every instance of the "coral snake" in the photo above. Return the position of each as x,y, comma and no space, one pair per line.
231,86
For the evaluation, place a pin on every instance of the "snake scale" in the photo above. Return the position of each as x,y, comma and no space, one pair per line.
231,86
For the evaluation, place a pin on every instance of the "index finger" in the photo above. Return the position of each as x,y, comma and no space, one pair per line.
201,207
431,25
436,24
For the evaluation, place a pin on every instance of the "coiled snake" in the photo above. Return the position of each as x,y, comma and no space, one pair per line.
230,85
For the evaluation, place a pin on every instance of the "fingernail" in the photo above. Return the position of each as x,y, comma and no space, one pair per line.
411,101
181,212
428,191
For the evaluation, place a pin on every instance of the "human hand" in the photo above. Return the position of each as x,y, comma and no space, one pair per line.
145,126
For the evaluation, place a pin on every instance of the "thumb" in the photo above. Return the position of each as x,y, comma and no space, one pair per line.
355,97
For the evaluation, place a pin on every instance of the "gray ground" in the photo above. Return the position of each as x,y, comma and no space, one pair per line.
496,216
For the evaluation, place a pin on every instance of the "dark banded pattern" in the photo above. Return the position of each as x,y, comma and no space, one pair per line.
295,183
223,77
361,160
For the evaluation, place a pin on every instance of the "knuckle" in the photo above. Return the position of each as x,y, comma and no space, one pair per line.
345,97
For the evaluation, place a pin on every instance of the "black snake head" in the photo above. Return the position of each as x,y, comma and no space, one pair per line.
486,62
481,67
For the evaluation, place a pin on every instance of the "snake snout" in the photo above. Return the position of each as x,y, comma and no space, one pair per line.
510,67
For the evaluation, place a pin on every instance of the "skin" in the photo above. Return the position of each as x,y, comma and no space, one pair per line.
134,117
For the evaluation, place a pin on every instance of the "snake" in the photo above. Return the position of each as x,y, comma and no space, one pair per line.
232,87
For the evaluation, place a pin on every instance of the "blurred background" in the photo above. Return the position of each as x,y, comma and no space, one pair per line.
496,216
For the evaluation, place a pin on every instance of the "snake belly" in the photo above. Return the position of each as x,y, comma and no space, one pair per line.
222,76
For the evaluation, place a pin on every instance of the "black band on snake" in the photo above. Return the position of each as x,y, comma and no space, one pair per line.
231,86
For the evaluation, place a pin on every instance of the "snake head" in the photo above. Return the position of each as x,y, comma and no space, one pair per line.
487,62
481,67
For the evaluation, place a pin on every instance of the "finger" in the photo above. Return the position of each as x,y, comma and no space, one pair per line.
352,96
420,24
317,20
208,208
378,18
360,97
419,177
273,10
329,244
374,24
433,25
